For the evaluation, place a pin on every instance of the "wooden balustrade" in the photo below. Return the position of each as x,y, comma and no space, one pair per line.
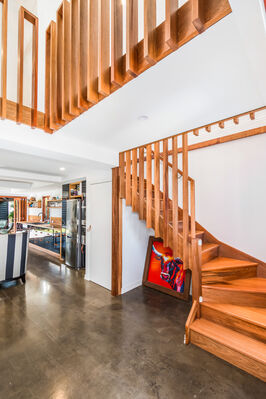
143,173
25,14
91,62
88,62
4,59
51,118
149,183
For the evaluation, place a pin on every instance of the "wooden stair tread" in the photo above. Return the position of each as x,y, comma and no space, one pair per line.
252,315
222,263
198,232
206,246
254,284
238,342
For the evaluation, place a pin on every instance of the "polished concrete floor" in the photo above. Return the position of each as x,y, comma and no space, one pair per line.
62,337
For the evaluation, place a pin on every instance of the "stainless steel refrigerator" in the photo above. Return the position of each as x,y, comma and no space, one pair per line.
73,233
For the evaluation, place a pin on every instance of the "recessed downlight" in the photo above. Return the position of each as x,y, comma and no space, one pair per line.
143,117
62,168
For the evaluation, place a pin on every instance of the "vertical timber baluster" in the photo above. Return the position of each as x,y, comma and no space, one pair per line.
132,38
122,174
104,48
74,56
63,62
141,183
192,211
116,235
66,60
171,23
59,39
150,52
165,193
185,199
4,58
175,198
128,179
50,79
25,14
117,61
47,120
157,202
196,270
92,70
53,79
134,179
198,15
149,187
83,54
34,87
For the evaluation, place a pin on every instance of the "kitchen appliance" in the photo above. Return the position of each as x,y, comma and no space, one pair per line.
73,254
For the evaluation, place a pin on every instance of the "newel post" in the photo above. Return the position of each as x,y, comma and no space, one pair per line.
116,234
196,271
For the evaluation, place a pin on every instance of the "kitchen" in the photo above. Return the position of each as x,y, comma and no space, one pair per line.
56,223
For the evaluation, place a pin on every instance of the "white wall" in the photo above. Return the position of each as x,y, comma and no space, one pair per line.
54,190
99,239
231,192
134,248
55,212
34,211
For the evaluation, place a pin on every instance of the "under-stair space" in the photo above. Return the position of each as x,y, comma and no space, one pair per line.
228,316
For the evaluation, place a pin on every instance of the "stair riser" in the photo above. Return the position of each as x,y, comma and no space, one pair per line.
209,254
239,360
229,321
228,275
234,297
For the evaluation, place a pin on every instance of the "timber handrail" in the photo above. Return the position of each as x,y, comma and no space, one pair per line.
220,123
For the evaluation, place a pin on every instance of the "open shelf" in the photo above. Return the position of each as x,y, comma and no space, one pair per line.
75,190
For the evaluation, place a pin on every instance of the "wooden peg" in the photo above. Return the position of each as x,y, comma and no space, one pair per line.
252,115
196,132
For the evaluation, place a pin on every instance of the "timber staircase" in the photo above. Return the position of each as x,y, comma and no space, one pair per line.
228,314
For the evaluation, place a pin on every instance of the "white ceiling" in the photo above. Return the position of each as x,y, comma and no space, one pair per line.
218,74
42,166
